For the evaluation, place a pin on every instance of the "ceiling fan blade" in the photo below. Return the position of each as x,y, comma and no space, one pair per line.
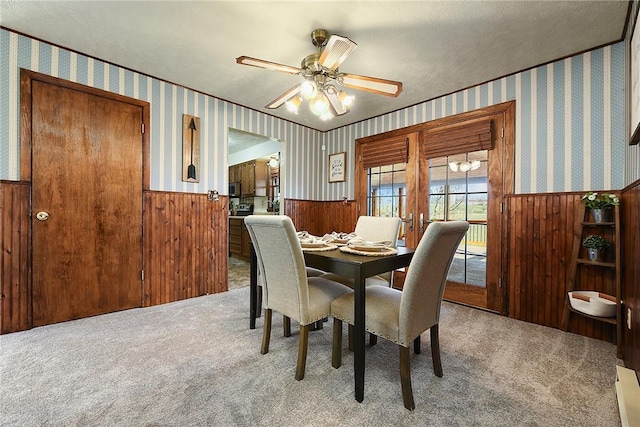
337,107
371,84
283,98
338,48
254,62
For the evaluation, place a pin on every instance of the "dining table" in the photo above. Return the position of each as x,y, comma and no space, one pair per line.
355,266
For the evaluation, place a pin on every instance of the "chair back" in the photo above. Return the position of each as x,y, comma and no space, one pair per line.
377,228
425,281
281,264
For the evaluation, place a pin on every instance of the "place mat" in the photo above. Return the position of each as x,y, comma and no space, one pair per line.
320,249
350,250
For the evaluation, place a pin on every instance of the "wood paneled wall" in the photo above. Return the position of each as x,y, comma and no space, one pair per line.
185,246
319,218
186,253
538,256
185,250
630,230
15,259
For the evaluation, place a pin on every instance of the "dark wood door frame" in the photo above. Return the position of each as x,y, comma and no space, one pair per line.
27,78
501,161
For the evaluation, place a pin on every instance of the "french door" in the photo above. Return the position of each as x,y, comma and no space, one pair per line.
444,174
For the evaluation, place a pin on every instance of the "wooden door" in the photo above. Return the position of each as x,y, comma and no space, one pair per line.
87,177
477,272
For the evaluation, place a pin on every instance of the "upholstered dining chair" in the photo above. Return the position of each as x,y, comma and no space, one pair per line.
286,287
374,229
401,316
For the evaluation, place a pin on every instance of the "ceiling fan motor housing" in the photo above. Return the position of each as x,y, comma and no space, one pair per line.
319,37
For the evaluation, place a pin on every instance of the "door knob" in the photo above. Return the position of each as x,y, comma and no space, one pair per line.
42,216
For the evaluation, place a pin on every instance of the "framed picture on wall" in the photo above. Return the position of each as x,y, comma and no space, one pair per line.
635,83
337,166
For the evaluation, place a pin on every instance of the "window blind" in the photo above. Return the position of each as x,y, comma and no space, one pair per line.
385,152
458,138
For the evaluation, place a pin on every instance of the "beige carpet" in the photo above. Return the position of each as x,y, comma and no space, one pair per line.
196,363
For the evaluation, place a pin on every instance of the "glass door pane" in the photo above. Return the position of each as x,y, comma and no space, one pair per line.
458,190
387,193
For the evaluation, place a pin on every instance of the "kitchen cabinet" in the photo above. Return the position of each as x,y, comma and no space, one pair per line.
235,236
235,173
254,176
239,240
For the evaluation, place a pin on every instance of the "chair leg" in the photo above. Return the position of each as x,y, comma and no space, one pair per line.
416,345
435,351
302,351
405,378
266,331
336,348
373,339
259,302
350,333
286,325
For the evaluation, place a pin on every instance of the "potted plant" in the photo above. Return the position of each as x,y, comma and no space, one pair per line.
600,205
596,245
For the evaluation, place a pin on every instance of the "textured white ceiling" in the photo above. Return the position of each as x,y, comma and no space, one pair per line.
432,47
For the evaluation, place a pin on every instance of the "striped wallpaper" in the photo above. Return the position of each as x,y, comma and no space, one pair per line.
168,103
570,123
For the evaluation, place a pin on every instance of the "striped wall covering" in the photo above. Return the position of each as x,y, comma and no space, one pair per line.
570,123
632,152
168,103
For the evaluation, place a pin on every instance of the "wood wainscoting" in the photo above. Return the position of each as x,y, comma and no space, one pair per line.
538,257
15,258
629,226
185,250
185,246
319,218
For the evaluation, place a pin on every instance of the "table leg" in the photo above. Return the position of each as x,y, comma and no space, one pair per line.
358,339
253,288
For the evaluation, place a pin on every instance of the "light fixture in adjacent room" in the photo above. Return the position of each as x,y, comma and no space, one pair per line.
464,166
273,162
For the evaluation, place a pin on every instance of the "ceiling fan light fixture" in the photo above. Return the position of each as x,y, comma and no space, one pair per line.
308,89
326,116
319,105
273,162
293,104
347,100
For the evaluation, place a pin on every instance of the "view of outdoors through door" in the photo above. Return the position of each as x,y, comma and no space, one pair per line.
458,190
387,194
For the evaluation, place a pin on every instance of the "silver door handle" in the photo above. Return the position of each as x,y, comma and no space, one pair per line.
421,223
410,222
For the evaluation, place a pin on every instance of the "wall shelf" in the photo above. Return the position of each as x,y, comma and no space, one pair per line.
611,231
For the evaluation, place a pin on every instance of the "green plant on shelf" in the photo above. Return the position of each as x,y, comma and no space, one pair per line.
593,241
600,201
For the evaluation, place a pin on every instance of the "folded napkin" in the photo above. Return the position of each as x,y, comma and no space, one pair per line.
359,241
305,237
337,236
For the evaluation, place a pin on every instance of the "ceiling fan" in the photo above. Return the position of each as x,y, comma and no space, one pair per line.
321,75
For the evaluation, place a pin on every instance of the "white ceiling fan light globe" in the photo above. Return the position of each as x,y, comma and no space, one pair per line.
453,166
326,116
308,89
319,105
475,165
293,104
347,100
